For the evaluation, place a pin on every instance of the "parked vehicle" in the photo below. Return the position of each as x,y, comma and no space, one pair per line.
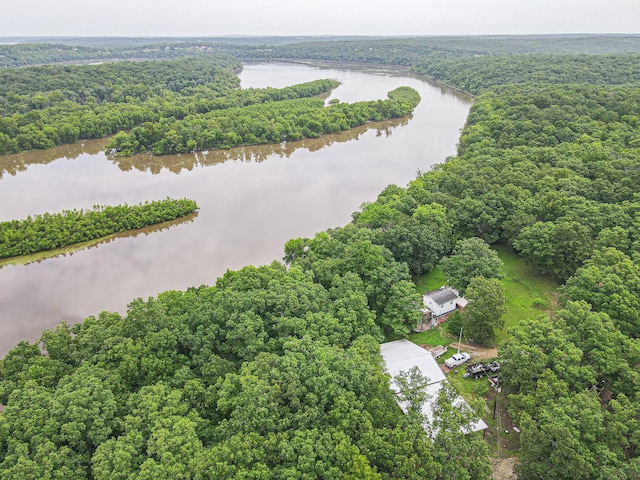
481,369
438,351
477,370
457,359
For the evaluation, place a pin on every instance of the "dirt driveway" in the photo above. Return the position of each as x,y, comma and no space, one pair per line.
503,469
476,351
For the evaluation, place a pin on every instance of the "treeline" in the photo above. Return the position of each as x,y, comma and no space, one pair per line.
55,230
46,118
21,55
397,51
273,121
49,118
35,88
479,73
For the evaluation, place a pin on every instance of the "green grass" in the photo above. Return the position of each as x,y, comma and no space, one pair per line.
523,288
435,336
471,389
430,281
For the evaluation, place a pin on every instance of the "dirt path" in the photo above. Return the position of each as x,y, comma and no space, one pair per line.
477,352
503,469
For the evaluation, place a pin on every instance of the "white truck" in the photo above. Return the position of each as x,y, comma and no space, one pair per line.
457,359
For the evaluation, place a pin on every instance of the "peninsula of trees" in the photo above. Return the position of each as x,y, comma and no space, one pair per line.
170,106
42,107
56,230
267,120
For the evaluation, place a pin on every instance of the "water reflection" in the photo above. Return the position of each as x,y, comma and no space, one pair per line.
254,153
19,162
72,249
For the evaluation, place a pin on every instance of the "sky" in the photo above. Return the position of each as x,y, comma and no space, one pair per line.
326,17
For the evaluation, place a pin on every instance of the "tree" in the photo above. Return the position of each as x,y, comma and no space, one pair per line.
460,455
610,282
470,258
561,442
555,248
483,314
412,392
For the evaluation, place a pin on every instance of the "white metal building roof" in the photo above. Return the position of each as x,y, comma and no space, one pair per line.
401,356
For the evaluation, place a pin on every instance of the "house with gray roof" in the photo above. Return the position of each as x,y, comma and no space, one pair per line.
438,305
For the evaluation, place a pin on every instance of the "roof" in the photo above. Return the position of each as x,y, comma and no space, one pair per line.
442,295
401,356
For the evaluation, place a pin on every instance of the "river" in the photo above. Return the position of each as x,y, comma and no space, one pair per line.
252,200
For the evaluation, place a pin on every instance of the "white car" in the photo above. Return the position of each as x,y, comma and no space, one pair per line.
457,359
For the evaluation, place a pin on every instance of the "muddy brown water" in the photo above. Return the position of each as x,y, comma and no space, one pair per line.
252,200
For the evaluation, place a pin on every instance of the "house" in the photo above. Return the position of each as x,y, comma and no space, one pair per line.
438,305
401,356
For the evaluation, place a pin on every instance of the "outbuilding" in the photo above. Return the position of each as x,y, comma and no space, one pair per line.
401,356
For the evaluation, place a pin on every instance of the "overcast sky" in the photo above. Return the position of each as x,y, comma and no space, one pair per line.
324,17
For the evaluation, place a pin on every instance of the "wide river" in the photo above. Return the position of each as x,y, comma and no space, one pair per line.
252,200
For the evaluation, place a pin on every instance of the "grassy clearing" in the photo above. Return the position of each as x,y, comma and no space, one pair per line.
435,336
430,281
528,294
472,390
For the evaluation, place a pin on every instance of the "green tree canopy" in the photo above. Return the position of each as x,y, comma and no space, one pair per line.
470,258
483,315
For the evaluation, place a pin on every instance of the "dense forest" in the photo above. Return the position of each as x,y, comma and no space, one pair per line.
269,121
473,75
47,106
395,51
554,171
274,372
269,374
199,107
55,230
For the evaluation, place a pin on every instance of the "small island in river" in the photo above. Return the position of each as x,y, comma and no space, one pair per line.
52,231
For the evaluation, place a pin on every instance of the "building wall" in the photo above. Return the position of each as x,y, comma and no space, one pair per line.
439,310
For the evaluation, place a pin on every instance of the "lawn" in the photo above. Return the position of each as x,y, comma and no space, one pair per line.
528,296
434,336
430,281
